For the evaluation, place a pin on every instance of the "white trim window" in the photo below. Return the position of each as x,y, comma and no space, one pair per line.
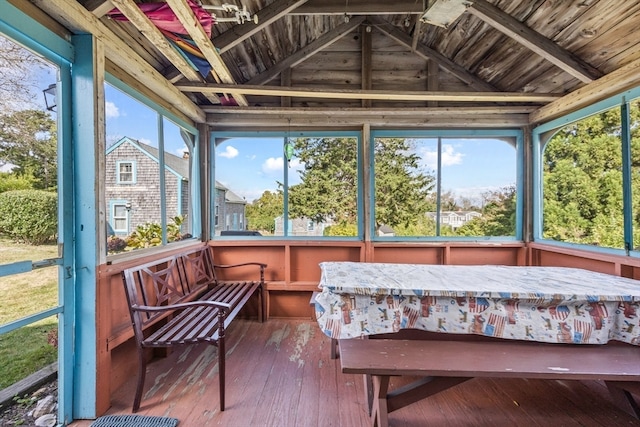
126,172
120,218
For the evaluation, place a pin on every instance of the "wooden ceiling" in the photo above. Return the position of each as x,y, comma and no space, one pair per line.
346,62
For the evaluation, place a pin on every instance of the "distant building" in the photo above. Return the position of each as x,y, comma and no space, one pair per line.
455,219
301,227
229,214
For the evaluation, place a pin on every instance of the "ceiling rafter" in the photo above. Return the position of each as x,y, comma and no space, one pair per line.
360,7
79,20
385,95
534,41
309,50
427,53
133,13
266,16
189,21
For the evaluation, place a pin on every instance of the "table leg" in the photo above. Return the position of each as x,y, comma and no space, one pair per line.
379,413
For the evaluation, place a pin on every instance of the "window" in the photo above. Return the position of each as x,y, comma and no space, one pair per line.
430,186
120,218
126,172
284,182
591,179
153,156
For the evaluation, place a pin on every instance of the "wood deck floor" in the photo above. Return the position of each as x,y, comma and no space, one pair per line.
279,373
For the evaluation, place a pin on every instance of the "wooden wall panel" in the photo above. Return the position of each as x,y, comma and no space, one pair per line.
305,260
487,256
407,254
273,256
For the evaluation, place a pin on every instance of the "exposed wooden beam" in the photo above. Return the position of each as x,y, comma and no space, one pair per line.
79,20
98,7
360,7
309,50
383,95
133,13
285,81
624,78
428,53
189,21
284,118
368,112
533,40
266,16
365,40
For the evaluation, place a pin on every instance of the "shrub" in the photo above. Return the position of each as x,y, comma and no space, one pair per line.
10,181
150,234
115,244
29,216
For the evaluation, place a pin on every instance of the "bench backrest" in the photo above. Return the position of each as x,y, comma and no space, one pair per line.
170,280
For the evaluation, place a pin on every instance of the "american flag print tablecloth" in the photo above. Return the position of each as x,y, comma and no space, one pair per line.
545,304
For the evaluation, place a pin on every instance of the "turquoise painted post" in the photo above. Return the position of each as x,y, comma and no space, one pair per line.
86,184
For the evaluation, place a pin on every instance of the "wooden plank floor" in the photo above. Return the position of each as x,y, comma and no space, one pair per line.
279,373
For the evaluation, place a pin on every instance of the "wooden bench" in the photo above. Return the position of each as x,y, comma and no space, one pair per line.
178,300
443,364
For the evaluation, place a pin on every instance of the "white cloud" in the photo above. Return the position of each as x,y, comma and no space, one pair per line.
273,165
111,110
229,152
147,141
449,156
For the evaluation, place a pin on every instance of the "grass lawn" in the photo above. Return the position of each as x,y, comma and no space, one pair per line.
26,350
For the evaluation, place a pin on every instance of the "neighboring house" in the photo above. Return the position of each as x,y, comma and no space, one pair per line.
132,186
229,210
455,219
132,190
301,227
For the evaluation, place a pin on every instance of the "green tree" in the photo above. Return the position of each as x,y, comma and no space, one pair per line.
498,215
328,190
28,140
583,182
402,187
262,212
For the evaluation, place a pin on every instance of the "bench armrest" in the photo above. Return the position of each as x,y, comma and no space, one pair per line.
244,264
221,305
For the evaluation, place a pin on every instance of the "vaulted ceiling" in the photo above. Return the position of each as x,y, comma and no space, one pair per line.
506,59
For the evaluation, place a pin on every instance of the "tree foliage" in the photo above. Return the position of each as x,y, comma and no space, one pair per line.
262,212
28,140
402,188
18,69
329,186
583,181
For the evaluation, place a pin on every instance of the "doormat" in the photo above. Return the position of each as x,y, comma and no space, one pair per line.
134,421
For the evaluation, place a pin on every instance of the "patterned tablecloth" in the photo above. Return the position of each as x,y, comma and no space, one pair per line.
547,304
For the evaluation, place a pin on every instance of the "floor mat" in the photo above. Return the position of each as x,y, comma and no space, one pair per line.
134,421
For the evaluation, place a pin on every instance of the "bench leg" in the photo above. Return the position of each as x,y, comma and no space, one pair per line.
379,412
142,371
221,370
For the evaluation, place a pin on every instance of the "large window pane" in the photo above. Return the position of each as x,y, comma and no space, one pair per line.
298,187
582,182
634,122
445,187
145,207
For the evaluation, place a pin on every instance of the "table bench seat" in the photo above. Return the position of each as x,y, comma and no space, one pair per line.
443,364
